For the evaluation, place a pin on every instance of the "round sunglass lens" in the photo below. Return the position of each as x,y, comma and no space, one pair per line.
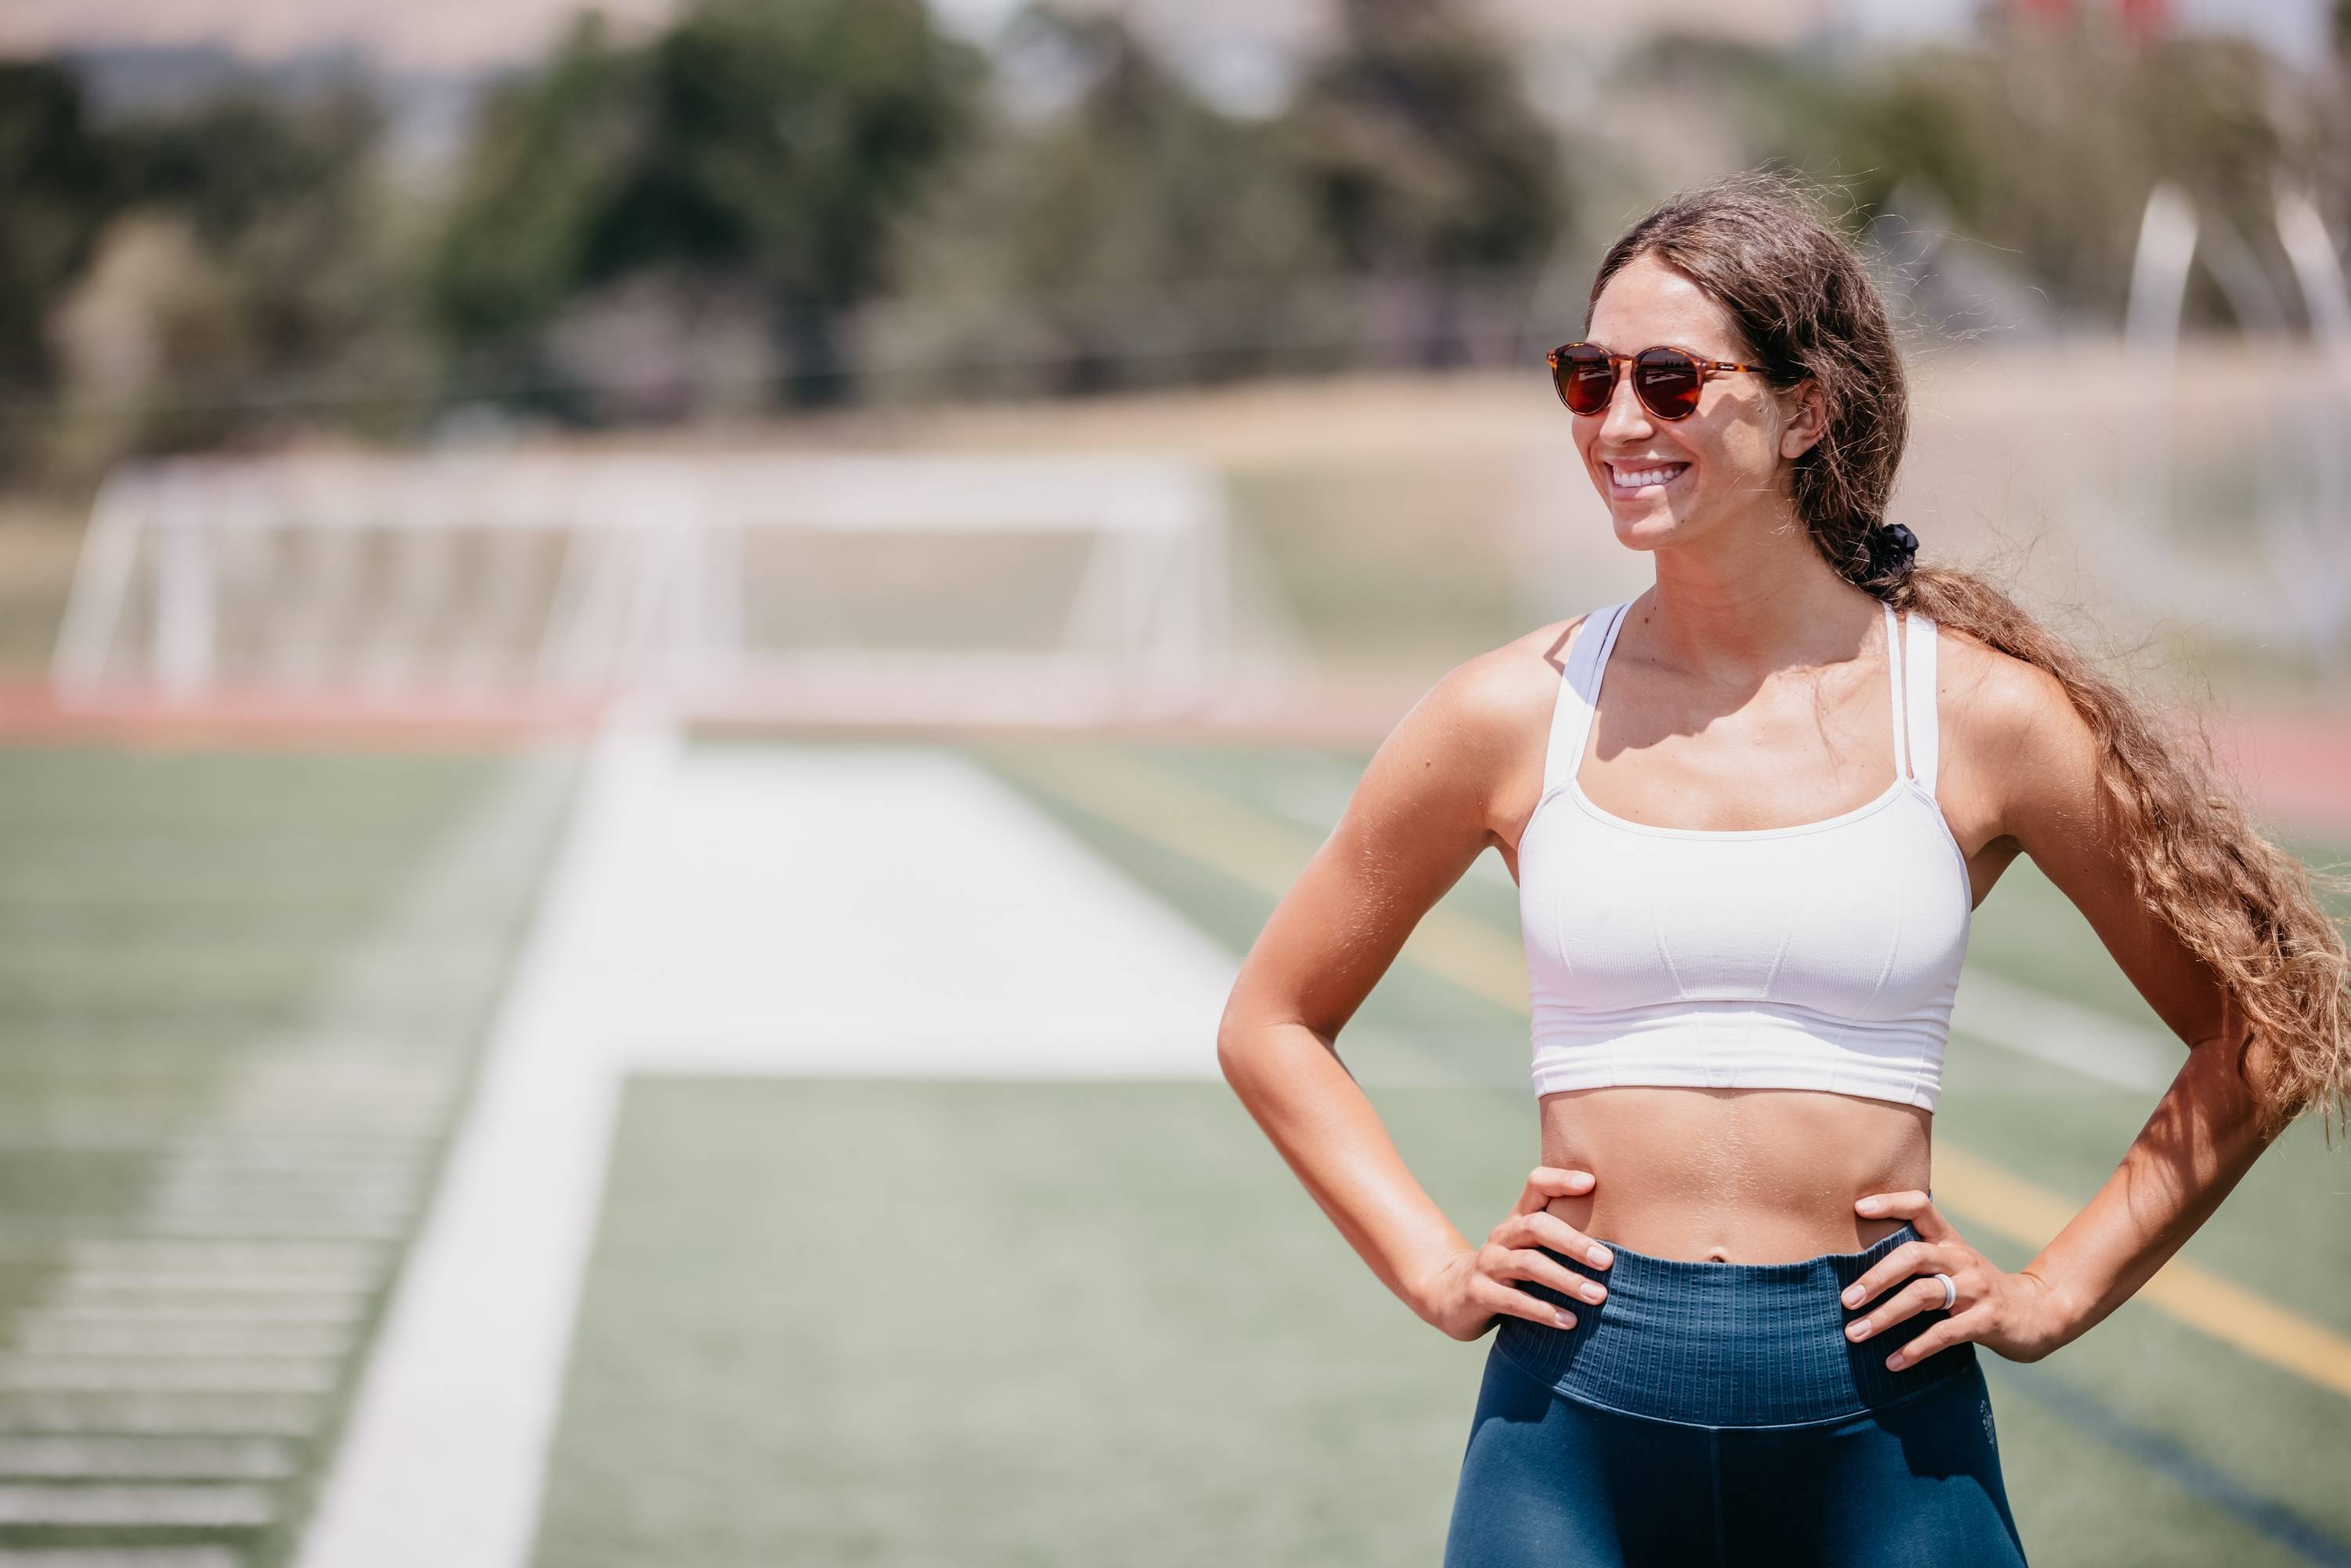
1668,383
1585,379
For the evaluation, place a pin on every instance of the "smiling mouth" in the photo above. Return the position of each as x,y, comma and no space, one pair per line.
1632,481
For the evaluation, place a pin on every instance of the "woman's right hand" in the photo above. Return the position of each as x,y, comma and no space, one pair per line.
1463,1294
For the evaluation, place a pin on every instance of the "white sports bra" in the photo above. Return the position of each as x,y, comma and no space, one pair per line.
1820,956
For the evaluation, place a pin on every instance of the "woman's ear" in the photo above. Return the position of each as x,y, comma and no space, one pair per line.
1809,422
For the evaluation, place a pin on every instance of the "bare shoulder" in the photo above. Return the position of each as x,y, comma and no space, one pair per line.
1496,697
2014,727
1473,746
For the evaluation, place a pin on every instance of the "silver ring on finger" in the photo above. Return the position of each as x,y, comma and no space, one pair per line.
1950,1292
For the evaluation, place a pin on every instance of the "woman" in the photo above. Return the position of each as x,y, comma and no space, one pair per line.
1743,942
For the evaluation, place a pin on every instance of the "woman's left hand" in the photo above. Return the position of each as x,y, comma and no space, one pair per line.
2019,1315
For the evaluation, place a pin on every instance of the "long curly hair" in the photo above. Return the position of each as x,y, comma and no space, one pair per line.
1761,244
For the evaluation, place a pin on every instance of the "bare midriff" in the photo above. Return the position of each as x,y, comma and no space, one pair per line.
1732,1176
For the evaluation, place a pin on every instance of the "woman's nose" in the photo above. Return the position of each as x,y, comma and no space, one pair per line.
1626,419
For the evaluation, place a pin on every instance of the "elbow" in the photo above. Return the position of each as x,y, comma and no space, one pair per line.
1232,1052
1240,1035
1257,1033
1232,1032
1249,1054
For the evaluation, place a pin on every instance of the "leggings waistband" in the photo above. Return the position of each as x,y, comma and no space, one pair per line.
1726,1344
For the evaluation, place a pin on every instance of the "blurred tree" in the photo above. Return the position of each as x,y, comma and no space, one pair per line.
235,162
1422,153
1427,165
284,200
1132,234
55,192
266,207
772,140
154,346
2039,142
516,246
252,279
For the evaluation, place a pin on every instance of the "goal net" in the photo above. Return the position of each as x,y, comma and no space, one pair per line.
920,587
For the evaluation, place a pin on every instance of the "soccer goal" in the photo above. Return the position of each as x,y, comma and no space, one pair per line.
918,587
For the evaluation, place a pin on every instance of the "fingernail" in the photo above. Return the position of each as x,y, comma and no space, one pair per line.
1893,1362
1566,1319
1599,1255
1853,1296
1858,1329
1869,1205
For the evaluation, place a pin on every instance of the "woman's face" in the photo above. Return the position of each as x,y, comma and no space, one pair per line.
1674,480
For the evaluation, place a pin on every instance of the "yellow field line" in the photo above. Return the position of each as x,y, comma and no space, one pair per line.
1258,852
1985,1194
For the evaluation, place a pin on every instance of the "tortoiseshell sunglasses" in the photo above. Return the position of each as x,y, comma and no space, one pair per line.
1666,379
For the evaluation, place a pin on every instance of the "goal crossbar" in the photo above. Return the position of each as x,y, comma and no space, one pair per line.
443,578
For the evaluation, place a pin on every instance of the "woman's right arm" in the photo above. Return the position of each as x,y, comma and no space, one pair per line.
1422,812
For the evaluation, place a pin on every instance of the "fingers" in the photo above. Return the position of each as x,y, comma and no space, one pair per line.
1542,1228
1545,1184
1910,1257
1492,1294
1513,1253
1548,1182
1500,1262
1919,1296
1891,1205
1916,1207
1929,1340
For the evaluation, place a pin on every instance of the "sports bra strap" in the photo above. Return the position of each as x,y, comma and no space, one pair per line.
1895,700
1918,698
1571,715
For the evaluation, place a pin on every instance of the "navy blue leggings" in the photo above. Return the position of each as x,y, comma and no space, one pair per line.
1715,1413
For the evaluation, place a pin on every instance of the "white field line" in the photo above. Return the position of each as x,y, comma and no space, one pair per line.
233,1261
249,1281
138,1458
102,1505
2082,1040
72,1412
123,1557
46,1335
166,1374
860,910
172,1313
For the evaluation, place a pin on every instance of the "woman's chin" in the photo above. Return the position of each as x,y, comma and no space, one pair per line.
1646,525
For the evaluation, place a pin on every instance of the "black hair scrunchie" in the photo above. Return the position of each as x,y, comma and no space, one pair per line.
1892,550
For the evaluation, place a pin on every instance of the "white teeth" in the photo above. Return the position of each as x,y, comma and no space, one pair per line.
1633,479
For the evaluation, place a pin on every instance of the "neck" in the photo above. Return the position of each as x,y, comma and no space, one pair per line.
1750,601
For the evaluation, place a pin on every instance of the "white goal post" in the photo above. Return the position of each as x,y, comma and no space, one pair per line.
956,587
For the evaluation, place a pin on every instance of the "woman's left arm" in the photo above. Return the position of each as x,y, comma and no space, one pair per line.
2202,1135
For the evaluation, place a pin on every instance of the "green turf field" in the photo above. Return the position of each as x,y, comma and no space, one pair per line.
240,997
904,1324
896,1323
